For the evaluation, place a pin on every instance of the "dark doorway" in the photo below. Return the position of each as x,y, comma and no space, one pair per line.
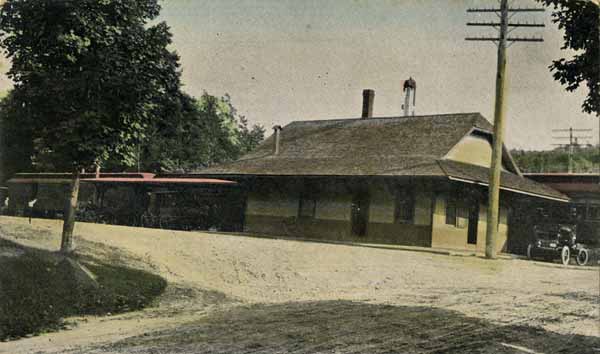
473,222
360,214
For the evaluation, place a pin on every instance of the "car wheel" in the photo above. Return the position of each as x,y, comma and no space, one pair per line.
530,251
565,255
583,257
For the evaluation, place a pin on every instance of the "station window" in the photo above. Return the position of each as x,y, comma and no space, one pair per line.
594,212
308,206
462,221
451,210
404,211
457,213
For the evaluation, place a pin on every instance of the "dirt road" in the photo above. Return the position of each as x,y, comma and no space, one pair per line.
233,294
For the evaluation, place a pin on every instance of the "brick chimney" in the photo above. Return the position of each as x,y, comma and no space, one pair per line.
368,99
277,132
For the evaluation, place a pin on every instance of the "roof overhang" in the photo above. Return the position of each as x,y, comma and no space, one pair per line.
160,181
38,180
471,181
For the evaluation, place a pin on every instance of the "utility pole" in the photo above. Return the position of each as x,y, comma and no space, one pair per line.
597,2
573,141
505,13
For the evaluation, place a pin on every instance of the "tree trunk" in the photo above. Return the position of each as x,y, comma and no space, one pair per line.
66,245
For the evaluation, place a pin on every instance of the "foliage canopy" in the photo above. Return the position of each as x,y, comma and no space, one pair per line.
580,20
95,82
88,74
199,133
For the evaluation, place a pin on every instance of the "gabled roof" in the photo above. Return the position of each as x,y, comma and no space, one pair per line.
390,146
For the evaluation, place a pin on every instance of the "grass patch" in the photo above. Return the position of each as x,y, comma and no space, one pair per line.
37,293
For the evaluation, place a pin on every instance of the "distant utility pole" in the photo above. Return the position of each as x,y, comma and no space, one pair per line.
505,13
573,141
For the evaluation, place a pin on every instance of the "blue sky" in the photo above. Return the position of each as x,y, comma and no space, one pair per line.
285,60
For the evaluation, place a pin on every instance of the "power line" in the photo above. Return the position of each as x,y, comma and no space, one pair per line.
509,39
573,141
508,10
497,24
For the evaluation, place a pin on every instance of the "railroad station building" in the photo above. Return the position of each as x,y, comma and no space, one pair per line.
410,180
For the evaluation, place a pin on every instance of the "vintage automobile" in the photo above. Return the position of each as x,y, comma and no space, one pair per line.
553,241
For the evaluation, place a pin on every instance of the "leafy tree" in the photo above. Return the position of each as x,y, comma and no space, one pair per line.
233,136
580,19
249,138
199,133
89,74
16,145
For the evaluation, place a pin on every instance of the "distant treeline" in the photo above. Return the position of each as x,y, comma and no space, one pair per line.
584,160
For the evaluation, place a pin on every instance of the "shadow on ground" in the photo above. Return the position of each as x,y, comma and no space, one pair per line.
38,289
350,327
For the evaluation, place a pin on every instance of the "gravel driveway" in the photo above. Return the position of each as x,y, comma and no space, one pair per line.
235,294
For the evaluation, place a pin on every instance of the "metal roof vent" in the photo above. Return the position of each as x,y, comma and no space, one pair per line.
410,87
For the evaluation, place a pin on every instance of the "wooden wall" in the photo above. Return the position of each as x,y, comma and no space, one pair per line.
455,237
273,208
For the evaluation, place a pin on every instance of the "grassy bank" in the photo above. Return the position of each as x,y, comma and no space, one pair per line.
37,291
